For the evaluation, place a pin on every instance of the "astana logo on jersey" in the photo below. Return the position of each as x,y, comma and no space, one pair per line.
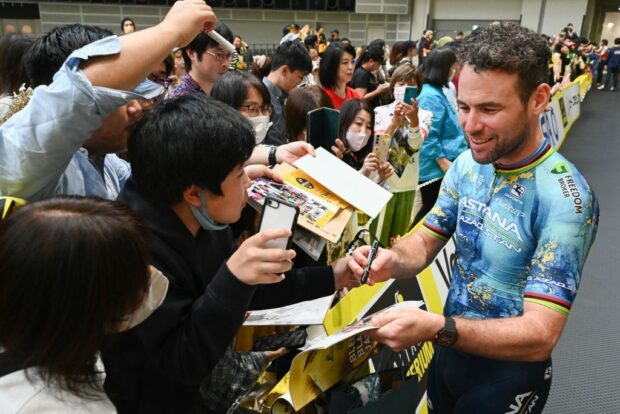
476,208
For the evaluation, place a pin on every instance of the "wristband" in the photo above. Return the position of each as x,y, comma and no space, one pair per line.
271,160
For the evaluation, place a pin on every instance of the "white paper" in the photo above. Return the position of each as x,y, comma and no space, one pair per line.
311,312
356,327
309,242
344,181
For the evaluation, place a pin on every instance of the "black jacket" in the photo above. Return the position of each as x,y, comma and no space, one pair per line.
157,367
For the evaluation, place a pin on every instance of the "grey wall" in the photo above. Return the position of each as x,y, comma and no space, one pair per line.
395,19
256,26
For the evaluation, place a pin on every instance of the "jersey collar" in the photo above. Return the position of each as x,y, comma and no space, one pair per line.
542,153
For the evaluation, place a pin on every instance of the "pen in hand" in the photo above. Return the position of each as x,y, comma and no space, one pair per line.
371,256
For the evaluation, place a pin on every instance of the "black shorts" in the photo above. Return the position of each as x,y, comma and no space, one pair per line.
462,383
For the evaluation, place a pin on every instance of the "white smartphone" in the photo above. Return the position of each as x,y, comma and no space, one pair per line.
278,214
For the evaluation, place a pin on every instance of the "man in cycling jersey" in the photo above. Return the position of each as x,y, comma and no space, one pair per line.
523,220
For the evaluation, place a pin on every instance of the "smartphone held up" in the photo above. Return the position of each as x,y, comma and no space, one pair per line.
278,214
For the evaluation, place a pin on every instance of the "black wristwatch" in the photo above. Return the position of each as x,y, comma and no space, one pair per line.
272,155
447,335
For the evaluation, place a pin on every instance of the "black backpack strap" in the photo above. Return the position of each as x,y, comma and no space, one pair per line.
9,365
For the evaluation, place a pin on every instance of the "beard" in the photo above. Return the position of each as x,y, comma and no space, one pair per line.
503,146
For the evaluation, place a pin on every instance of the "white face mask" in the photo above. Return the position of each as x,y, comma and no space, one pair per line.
399,93
261,125
158,287
357,140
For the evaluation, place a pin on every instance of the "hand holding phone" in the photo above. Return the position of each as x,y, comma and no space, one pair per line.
278,214
264,257
411,92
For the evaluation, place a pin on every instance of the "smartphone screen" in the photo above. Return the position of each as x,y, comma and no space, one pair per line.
411,92
278,214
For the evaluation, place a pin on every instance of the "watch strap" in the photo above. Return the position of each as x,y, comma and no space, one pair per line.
272,155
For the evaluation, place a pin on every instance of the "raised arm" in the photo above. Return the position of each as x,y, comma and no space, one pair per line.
142,50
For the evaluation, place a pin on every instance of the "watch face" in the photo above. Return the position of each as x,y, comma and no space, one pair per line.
445,338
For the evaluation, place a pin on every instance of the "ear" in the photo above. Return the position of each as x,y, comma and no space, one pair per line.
191,54
540,98
284,70
191,195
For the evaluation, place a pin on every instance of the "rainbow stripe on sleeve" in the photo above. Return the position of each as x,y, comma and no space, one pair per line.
550,302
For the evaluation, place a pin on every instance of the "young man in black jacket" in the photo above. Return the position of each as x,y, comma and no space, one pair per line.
188,183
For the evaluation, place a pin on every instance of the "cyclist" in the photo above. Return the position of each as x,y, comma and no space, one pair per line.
523,220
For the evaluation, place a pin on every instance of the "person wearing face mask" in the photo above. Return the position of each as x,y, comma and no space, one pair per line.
189,185
355,129
403,127
247,94
445,140
84,275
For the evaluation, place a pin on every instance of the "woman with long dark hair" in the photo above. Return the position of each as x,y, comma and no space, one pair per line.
336,71
355,128
72,270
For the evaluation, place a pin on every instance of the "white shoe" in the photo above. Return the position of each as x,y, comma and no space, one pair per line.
612,88
600,88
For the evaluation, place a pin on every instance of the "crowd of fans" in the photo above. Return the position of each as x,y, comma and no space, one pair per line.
78,273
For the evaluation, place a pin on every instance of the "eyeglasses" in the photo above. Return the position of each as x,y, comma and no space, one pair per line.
220,57
256,110
161,80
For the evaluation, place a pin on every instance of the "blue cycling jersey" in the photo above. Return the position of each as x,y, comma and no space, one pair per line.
521,232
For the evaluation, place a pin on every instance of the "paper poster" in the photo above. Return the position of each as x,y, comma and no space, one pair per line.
348,183
311,312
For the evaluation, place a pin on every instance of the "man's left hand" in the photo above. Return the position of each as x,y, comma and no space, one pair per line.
343,276
292,151
406,327
258,171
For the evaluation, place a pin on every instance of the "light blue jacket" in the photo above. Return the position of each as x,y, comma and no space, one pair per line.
40,146
445,137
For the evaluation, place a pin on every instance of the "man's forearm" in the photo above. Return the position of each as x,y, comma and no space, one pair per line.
144,49
141,52
518,339
415,253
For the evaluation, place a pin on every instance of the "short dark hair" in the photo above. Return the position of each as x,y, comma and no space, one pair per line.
310,40
409,44
12,49
292,54
377,42
510,48
437,65
373,53
299,102
169,64
189,140
127,19
336,31
202,42
348,111
617,41
605,42
70,269
260,71
233,87
397,52
48,52
328,69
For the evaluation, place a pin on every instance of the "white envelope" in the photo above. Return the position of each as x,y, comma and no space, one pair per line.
346,182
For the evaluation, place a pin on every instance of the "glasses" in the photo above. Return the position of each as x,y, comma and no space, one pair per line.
256,110
161,80
220,57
